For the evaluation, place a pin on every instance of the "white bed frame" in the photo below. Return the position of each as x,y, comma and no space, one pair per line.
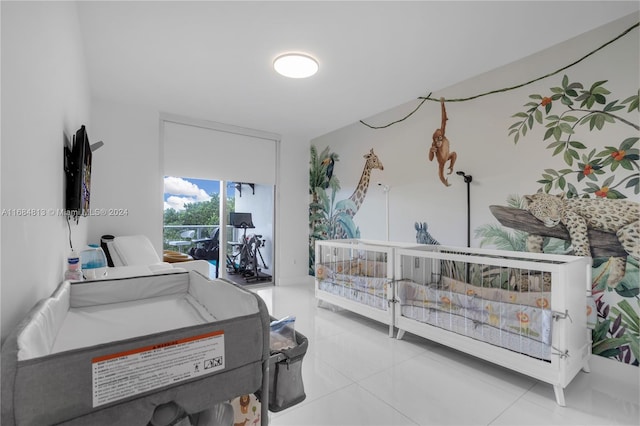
571,285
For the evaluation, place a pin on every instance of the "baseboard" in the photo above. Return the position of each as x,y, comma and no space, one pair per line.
301,280
616,370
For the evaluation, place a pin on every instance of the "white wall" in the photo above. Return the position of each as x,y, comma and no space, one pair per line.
127,171
292,212
129,174
45,99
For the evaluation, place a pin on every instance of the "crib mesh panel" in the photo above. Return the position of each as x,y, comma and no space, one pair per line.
355,272
484,298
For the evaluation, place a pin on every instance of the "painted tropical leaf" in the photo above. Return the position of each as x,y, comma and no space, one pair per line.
347,224
323,200
347,204
501,237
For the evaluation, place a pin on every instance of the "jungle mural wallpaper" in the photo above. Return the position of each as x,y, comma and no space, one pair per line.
588,206
329,219
588,196
581,209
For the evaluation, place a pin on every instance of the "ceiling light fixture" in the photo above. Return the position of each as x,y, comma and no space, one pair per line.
295,65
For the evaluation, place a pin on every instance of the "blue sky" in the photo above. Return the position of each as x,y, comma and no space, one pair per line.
178,191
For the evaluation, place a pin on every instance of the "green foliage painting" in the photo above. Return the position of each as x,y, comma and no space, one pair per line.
594,169
327,219
568,112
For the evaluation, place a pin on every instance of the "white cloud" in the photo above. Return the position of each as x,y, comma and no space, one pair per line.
177,203
182,192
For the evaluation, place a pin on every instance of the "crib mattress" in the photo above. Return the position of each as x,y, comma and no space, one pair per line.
110,351
520,322
368,291
479,331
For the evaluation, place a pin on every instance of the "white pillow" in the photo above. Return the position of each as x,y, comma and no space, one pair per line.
134,250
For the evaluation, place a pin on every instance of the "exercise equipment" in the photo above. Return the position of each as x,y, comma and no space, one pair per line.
207,249
245,260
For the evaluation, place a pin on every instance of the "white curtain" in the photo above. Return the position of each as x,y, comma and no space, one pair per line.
223,153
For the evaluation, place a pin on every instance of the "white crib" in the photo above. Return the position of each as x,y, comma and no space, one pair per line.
523,311
357,275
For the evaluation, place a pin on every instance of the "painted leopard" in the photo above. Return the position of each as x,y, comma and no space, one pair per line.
617,216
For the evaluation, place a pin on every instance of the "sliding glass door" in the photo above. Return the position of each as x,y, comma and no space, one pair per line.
243,162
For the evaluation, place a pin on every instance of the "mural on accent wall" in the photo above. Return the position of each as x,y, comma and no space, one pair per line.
329,219
589,213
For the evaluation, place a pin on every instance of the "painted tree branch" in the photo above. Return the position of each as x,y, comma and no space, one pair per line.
429,98
614,116
603,244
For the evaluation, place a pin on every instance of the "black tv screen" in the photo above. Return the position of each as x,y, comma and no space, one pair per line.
78,173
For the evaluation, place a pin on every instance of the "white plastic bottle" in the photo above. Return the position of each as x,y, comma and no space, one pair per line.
73,272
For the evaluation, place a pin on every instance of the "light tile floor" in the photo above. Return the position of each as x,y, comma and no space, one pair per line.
354,374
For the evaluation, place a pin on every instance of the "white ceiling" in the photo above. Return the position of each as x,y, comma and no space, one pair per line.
213,60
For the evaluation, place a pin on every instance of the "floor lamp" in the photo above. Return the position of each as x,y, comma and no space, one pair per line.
467,179
386,189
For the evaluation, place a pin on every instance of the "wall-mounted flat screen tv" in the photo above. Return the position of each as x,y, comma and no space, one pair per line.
78,174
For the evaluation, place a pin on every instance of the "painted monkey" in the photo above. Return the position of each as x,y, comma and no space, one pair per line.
440,147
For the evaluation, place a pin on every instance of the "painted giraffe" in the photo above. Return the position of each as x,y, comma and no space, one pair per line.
339,232
373,162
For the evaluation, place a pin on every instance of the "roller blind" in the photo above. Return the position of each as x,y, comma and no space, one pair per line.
224,153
